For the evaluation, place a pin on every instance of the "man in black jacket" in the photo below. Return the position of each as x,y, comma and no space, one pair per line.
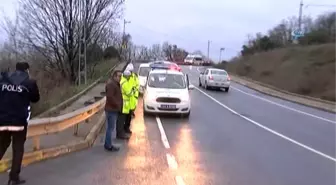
17,91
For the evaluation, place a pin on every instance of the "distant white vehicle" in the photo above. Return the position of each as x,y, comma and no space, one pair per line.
215,78
194,59
143,72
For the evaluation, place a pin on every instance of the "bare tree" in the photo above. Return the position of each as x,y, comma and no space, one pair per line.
52,28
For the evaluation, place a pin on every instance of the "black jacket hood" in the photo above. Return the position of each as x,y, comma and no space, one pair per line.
16,77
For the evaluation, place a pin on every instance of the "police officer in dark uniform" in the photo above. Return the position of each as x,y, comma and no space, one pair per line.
17,91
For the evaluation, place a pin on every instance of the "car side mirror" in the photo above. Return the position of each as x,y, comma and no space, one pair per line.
191,87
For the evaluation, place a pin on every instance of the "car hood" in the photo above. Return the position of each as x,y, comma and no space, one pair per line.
174,93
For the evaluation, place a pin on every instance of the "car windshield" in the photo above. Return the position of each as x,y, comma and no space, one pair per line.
167,81
198,59
144,71
216,72
188,58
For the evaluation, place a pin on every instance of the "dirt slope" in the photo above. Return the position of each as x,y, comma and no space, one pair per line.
304,70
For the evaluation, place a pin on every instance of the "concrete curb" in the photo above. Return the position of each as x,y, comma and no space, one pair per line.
75,97
279,93
49,153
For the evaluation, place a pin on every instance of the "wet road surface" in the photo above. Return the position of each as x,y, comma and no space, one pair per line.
237,138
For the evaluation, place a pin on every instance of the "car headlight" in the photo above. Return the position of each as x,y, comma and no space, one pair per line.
150,97
185,98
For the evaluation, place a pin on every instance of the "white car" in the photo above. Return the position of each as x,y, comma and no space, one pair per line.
215,78
143,72
167,91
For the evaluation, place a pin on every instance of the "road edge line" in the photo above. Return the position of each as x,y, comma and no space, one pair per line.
282,94
268,129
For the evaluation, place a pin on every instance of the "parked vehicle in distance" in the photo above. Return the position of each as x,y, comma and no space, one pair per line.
167,64
143,72
214,78
194,59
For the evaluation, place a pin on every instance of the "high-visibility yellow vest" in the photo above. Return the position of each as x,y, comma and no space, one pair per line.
127,93
136,86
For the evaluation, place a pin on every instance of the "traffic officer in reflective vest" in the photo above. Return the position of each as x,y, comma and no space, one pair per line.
133,99
127,92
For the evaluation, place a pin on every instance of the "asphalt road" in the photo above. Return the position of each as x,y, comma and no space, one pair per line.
237,138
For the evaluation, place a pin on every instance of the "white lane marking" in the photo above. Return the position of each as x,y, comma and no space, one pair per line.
190,67
162,132
198,69
284,106
171,161
268,129
179,180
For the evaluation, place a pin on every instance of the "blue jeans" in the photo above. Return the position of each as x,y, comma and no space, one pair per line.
111,118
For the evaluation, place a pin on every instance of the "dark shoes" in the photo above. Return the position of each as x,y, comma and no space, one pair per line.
15,182
112,148
128,131
123,136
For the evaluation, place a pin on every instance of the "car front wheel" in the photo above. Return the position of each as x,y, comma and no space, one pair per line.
186,115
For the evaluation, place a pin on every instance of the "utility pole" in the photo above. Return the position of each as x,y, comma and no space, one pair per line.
123,44
220,54
82,41
300,16
208,53
84,35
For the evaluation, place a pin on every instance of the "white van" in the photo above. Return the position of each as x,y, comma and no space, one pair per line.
142,75
194,59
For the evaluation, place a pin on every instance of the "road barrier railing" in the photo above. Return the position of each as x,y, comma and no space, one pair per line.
51,125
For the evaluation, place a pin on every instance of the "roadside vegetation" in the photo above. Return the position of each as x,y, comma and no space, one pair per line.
46,35
307,67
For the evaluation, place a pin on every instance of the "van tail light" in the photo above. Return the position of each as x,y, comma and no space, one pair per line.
210,77
229,78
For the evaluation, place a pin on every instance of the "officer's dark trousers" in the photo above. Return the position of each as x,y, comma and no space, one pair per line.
121,124
128,120
18,139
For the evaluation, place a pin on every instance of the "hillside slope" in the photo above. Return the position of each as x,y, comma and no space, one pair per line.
306,70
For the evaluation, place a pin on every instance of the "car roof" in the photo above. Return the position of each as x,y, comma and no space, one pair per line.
215,69
144,65
165,71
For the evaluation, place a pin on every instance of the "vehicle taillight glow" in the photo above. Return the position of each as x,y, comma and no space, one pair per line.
228,78
173,67
210,78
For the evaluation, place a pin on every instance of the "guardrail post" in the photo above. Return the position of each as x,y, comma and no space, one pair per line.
36,142
76,130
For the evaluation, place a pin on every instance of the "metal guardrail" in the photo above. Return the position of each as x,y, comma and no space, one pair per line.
51,125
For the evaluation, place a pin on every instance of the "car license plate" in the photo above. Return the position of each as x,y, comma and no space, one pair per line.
168,106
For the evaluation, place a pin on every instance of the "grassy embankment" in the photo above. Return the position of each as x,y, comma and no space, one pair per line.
308,70
57,94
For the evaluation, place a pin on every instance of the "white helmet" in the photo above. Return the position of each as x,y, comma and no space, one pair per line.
127,73
130,67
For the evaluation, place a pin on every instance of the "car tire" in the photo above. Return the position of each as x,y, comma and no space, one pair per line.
145,113
199,82
226,89
186,115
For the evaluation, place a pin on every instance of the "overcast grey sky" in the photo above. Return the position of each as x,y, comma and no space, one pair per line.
191,23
